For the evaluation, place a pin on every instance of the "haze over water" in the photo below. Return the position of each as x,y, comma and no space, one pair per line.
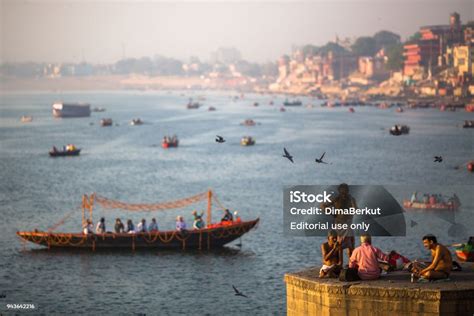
126,163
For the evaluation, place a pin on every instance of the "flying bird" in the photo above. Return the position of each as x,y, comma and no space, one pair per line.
238,293
287,155
220,139
320,160
438,159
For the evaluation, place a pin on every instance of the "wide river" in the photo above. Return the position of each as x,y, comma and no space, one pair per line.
126,162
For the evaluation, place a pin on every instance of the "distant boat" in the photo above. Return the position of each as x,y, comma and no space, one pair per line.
470,166
73,151
248,122
136,122
397,130
282,109
469,107
255,104
247,141
452,204
211,108
192,105
26,119
169,142
106,122
468,124
67,110
292,103
351,109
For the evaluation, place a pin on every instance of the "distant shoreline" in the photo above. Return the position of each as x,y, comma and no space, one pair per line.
106,82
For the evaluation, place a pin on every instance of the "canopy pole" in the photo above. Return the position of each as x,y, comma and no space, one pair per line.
209,207
83,210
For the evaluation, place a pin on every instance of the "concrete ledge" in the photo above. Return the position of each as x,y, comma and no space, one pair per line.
393,294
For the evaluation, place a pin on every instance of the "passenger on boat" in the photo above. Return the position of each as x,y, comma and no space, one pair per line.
227,216
100,229
141,227
413,197
198,222
366,259
432,199
88,227
130,227
118,226
180,224
54,149
153,227
332,256
441,264
426,198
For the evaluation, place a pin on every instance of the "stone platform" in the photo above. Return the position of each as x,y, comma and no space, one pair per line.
392,294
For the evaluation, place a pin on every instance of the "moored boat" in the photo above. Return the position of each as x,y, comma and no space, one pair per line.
469,107
248,122
212,236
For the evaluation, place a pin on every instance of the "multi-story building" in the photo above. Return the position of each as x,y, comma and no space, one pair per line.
463,60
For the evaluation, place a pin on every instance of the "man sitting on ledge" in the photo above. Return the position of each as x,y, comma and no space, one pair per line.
366,259
441,263
332,257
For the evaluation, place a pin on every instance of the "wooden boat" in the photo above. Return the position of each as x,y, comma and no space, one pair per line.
64,153
106,122
215,236
247,141
292,103
169,142
399,109
447,206
193,105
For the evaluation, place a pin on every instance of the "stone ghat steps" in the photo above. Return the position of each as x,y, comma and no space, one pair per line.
392,294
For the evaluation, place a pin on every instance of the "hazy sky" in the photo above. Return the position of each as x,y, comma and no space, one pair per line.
105,31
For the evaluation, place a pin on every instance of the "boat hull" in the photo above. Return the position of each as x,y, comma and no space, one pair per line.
465,256
408,205
65,153
193,239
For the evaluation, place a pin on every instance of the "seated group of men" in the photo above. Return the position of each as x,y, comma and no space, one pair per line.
370,261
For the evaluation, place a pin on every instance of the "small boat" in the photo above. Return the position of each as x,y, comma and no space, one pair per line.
465,252
26,119
452,204
292,103
69,150
384,105
192,105
106,122
282,109
248,122
399,110
468,124
399,130
210,237
136,122
351,110
270,103
470,166
211,108
255,104
247,141
170,142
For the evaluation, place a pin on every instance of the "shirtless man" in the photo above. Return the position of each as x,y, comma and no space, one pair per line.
344,200
441,263
332,257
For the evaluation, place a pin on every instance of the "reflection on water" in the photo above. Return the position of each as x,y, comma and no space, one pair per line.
126,163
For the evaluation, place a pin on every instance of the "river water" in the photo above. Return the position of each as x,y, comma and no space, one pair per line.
126,163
